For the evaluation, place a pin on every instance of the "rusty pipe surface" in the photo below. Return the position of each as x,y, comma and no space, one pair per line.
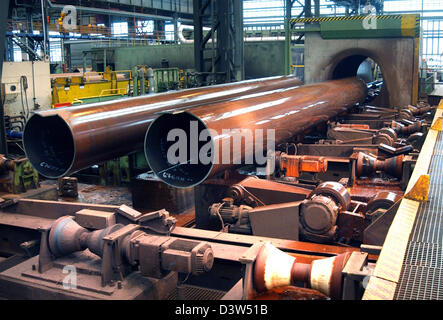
63,141
287,112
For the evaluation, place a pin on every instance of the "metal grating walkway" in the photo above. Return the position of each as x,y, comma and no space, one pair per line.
188,292
421,277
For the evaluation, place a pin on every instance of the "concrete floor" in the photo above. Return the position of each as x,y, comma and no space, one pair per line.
108,195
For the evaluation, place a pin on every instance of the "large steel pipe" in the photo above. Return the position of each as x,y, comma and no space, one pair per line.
63,141
287,112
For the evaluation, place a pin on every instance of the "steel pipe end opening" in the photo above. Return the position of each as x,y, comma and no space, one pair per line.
179,149
49,145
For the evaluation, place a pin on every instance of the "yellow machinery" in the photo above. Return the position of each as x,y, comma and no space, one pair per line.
88,87
72,88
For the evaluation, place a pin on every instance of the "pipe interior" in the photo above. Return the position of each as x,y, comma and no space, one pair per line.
355,66
183,174
49,145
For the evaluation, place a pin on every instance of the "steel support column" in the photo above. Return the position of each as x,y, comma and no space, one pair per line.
308,9
219,50
238,40
317,8
159,30
288,15
4,10
104,60
175,22
46,47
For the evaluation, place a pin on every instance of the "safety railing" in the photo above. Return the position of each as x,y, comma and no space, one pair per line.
94,31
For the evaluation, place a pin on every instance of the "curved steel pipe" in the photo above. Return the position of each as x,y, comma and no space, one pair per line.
288,112
63,141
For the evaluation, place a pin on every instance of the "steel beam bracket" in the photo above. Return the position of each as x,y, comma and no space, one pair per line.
45,258
113,267
248,260
356,274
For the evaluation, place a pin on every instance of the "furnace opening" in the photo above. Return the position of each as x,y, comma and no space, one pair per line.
362,66
51,154
183,129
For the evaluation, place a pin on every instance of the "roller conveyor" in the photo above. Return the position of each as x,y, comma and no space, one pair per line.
411,261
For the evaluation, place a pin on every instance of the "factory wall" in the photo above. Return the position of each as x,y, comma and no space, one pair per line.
180,56
262,59
266,58
77,53
12,71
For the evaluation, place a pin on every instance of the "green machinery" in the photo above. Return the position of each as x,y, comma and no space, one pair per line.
115,172
17,176
147,80
166,79
427,82
119,171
